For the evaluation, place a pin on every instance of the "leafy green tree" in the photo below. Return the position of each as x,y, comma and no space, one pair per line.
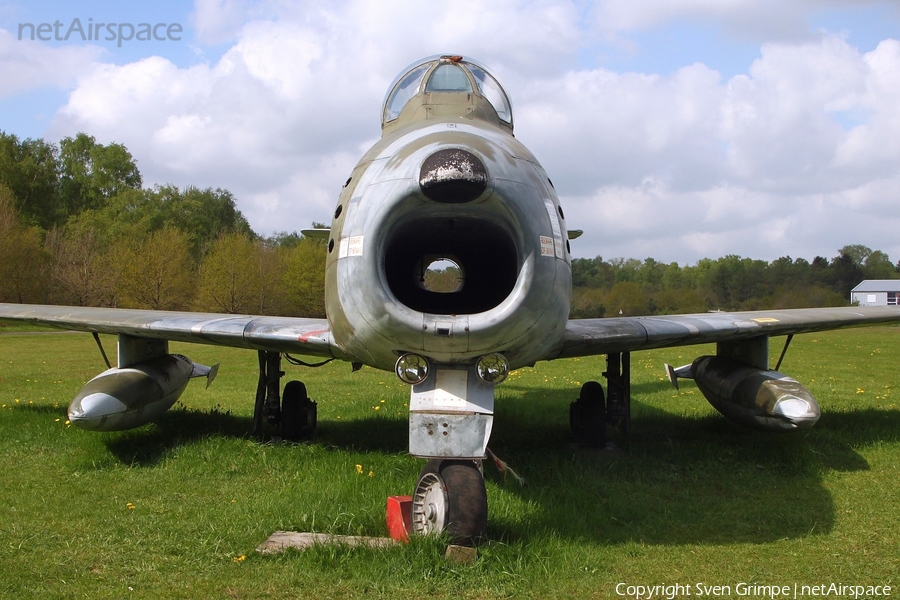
91,173
156,272
204,214
23,260
283,239
857,253
625,269
846,273
592,272
82,273
700,275
805,297
673,277
738,281
303,280
878,265
680,301
270,265
587,303
651,273
626,298
229,276
29,169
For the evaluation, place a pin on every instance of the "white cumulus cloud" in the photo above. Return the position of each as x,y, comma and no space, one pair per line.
798,155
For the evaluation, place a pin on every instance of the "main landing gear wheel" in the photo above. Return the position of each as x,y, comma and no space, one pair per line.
450,496
298,413
587,416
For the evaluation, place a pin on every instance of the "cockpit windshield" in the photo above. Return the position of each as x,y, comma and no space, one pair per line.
446,74
405,89
448,78
490,88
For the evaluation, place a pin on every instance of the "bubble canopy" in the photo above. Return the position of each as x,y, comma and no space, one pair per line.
445,73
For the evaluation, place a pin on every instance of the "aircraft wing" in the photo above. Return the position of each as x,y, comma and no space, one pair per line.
586,337
276,334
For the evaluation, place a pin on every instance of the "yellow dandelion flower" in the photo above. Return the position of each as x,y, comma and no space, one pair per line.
359,469
56,420
239,559
371,474
129,506
377,407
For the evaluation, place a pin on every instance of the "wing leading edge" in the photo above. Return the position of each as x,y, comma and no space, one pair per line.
274,334
586,337
583,337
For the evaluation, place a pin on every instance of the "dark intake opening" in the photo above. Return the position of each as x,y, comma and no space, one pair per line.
484,251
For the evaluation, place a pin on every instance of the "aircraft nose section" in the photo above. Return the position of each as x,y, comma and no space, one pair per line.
453,176
801,413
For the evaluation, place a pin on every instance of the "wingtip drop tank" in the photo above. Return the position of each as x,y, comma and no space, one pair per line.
124,398
758,398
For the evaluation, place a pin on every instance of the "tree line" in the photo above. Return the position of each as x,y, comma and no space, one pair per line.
634,287
77,227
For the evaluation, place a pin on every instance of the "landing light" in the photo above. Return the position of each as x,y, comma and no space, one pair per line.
411,368
492,368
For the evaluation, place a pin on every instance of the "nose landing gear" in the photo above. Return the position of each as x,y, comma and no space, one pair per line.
450,496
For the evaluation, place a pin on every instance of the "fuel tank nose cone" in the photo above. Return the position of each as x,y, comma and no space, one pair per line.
92,410
798,412
453,176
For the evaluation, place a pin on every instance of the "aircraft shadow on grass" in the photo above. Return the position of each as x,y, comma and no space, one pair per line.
683,480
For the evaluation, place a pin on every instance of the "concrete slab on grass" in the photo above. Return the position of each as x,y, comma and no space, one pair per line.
282,540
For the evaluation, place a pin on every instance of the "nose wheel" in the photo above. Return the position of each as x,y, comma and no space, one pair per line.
450,496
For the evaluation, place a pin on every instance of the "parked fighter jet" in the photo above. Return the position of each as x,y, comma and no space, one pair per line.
448,182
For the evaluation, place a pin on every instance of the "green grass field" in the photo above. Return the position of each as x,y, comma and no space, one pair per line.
175,509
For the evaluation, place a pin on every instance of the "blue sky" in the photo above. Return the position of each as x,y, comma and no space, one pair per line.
676,130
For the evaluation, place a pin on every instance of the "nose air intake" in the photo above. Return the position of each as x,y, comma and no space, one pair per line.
484,252
453,176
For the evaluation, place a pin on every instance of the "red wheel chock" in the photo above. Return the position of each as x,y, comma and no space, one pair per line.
399,517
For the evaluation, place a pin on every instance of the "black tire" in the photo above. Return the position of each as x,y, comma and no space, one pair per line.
465,516
298,413
587,415
468,511
432,466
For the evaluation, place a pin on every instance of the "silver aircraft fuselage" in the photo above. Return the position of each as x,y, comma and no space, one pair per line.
506,232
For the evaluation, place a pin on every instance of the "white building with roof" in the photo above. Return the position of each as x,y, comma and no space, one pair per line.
876,292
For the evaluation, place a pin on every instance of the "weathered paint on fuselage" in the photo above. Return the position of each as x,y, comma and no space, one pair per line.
510,242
